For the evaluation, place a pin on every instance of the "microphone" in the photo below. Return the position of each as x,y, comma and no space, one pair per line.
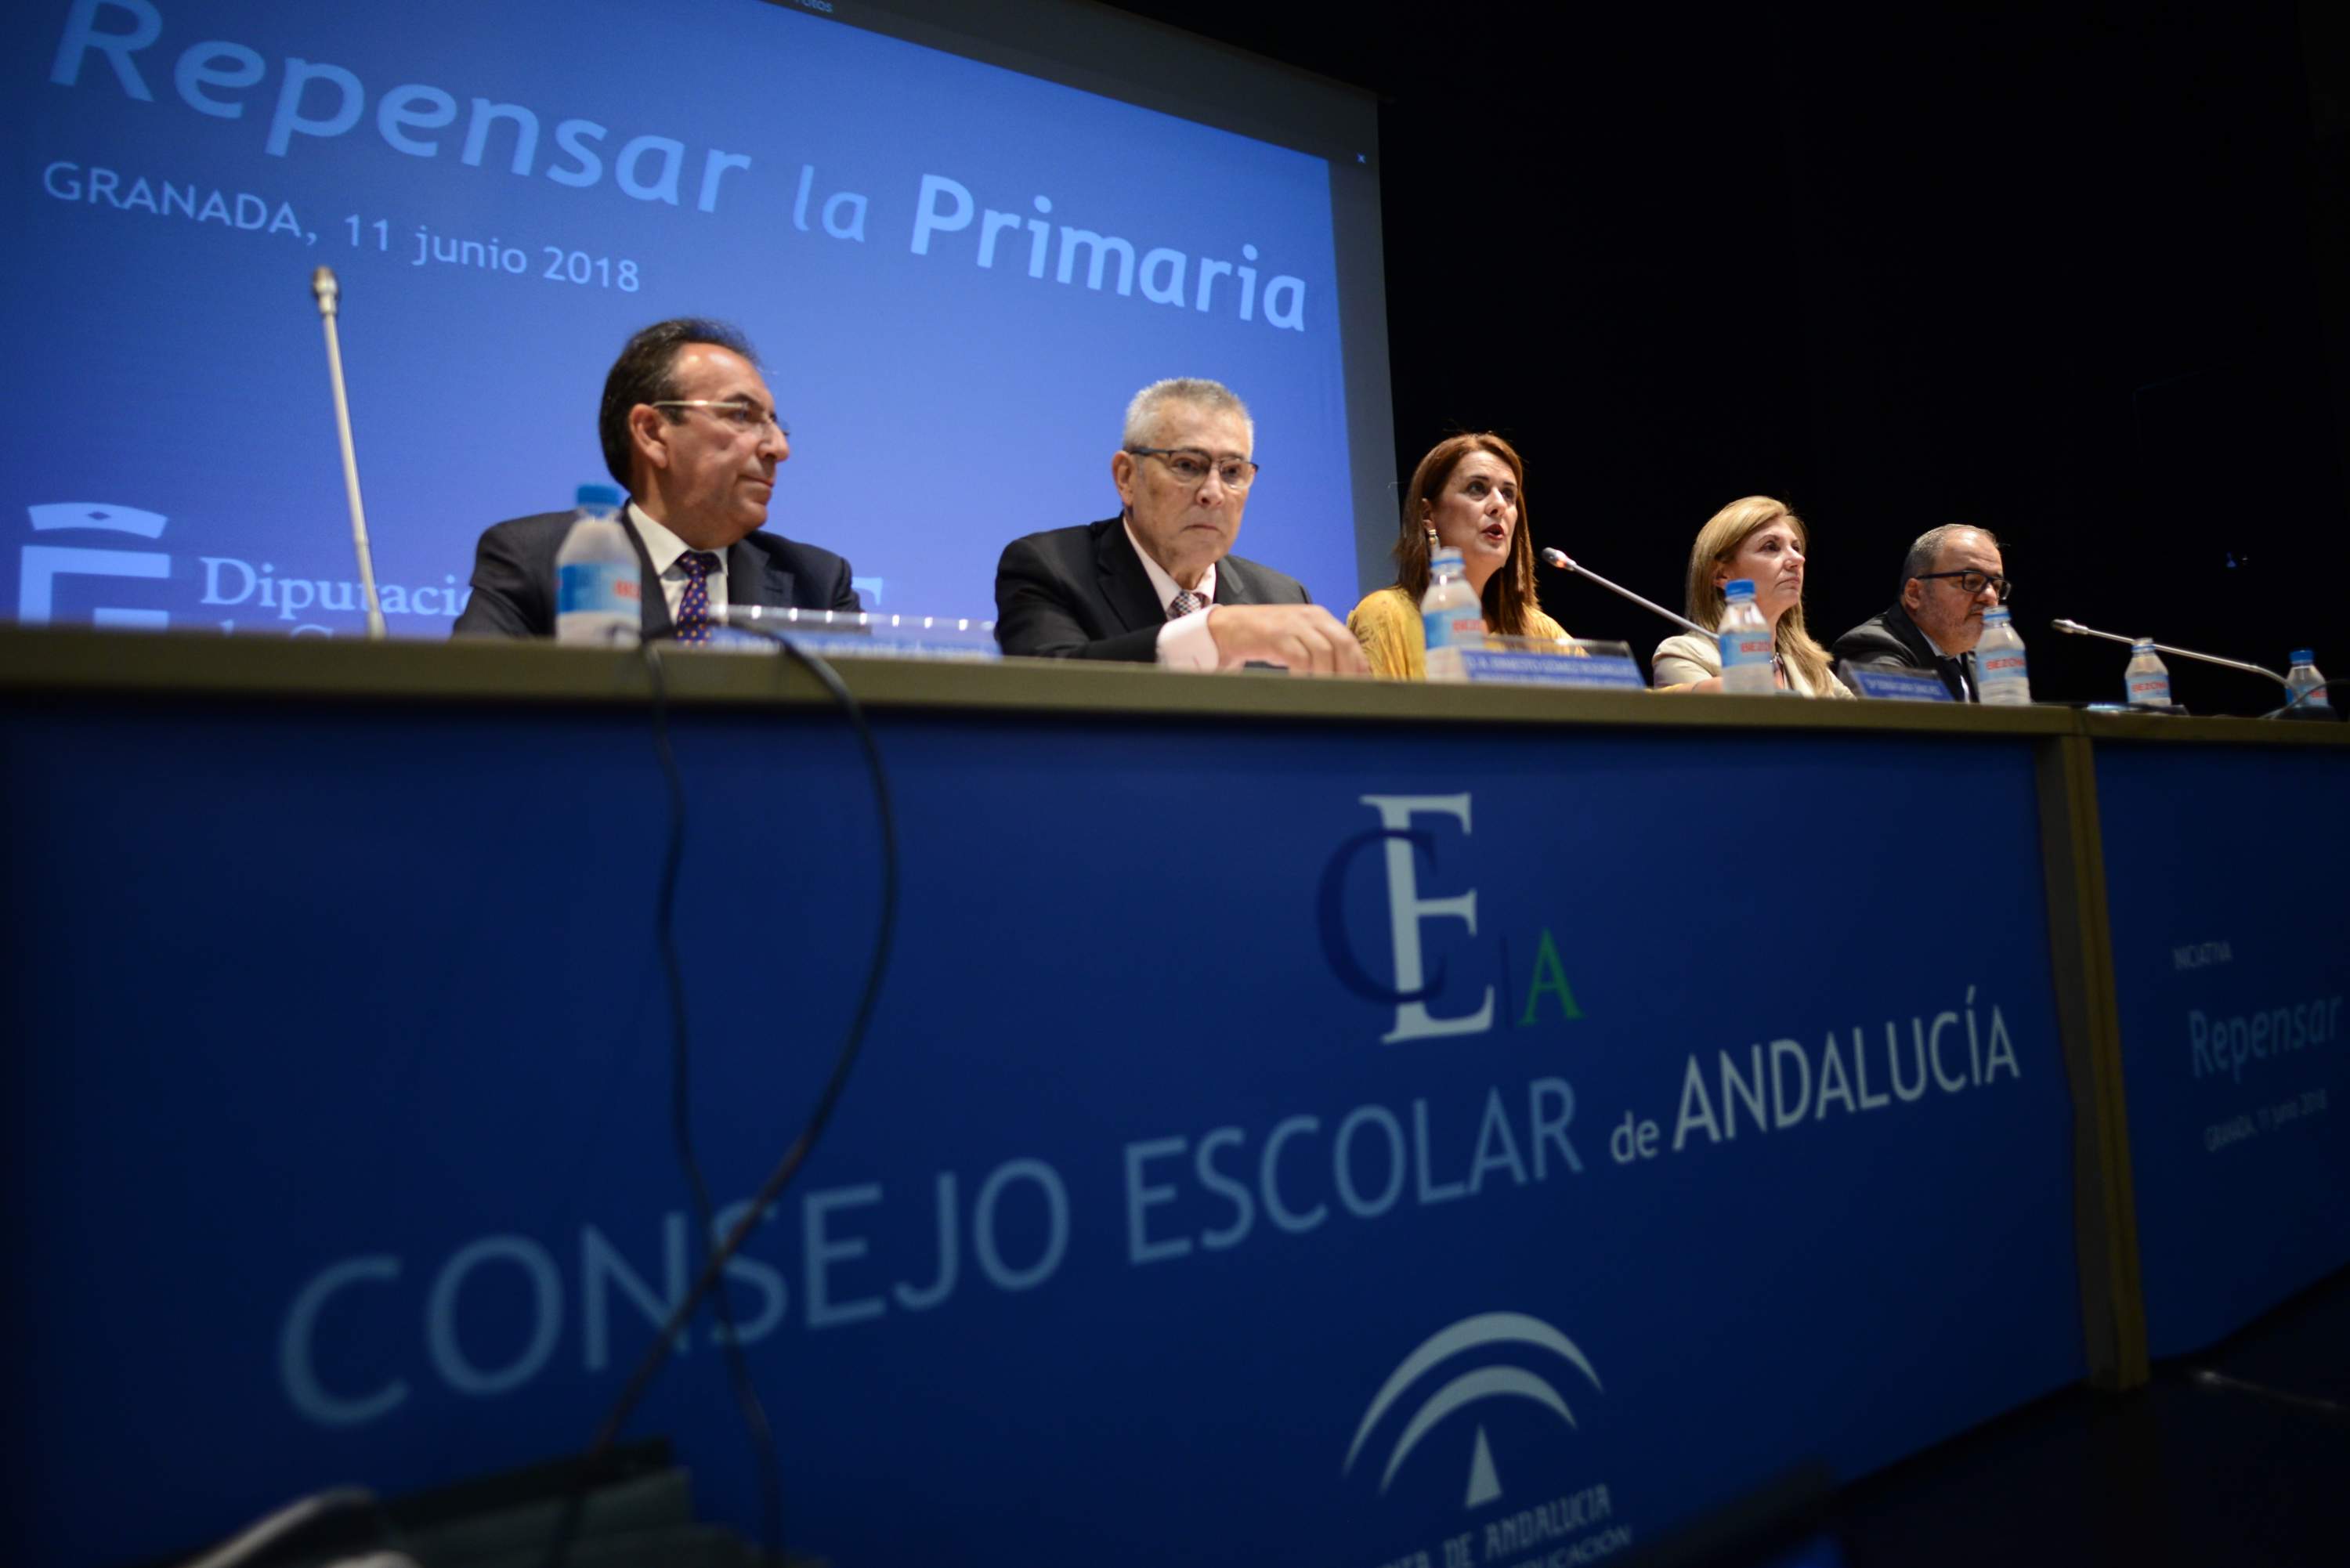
2075,629
1560,559
329,295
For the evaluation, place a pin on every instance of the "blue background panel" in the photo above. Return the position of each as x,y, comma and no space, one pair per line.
375,992
2226,882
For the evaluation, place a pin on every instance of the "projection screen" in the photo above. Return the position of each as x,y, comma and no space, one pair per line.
959,236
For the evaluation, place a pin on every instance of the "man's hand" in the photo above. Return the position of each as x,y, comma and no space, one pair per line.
1306,639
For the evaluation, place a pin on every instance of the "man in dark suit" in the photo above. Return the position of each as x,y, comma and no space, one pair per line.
1951,574
1156,583
690,432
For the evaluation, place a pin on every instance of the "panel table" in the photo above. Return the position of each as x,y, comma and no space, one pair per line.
1304,1121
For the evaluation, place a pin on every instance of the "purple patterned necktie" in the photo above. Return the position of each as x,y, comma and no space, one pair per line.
1184,602
693,606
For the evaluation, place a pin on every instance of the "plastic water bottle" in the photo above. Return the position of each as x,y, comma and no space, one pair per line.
1745,640
599,591
1449,610
1998,662
2148,677
2304,676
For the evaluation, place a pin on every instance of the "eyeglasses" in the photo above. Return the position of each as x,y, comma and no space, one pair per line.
1193,466
1973,583
745,417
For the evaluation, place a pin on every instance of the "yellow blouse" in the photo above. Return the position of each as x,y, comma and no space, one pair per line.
1388,624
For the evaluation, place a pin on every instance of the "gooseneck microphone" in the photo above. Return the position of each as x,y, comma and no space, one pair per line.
1564,563
329,291
2076,629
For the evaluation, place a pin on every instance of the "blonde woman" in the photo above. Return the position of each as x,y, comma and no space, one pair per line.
1758,539
1469,494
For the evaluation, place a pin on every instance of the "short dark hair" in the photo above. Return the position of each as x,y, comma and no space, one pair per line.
1927,549
645,373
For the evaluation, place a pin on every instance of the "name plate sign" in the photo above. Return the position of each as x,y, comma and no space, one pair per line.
854,634
1900,685
1529,662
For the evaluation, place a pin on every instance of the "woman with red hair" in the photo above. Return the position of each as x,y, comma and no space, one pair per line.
1467,494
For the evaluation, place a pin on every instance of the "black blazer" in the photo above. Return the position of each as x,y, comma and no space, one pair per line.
1894,638
1081,593
514,578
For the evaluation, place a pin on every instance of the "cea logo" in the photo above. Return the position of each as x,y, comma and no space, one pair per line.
1409,842
40,566
1515,1331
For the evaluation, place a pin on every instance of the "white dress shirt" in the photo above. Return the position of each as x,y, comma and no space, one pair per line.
666,549
1185,642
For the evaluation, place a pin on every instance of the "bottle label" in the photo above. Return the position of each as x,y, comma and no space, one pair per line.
1451,628
2004,666
597,586
2150,690
1745,648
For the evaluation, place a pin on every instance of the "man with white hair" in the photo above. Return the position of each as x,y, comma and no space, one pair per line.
1951,574
1156,583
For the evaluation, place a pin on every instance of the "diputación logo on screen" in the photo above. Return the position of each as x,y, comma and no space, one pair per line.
39,566
256,594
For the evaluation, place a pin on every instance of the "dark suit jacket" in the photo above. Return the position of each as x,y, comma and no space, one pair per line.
1081,593
514,578
1894,638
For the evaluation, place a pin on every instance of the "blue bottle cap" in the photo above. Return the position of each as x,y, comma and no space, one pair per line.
1443,554
2305,656
1995,615
602,496
1740,589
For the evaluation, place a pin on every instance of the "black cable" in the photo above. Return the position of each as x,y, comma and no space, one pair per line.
2298,698
681,1113
2205,1377
793,1156
262,1539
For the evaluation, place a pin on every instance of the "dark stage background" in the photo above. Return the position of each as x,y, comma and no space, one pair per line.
2080,276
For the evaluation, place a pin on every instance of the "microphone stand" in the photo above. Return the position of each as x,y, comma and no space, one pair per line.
322,285
1560,559
2077,629
2292,709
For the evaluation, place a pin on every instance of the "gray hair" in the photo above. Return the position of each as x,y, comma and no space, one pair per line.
1213,396
1928,549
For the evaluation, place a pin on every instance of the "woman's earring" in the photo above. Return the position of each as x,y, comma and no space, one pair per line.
1431,535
